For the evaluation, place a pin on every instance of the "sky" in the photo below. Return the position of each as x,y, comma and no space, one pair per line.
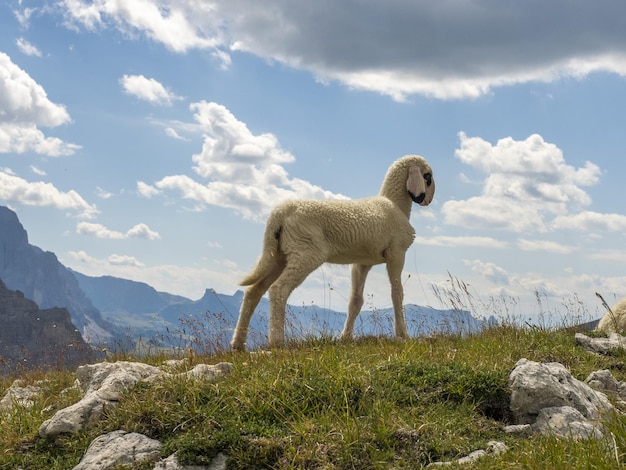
150,139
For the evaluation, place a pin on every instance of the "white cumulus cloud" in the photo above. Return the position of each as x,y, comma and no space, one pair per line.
24,107
527,183
14,189
148,89
240,170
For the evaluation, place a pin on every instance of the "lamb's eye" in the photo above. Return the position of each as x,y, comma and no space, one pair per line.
428,177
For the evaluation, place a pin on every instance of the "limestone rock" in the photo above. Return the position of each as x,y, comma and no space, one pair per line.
119,448
20,395
604,381
102,385
565,421
601,345
535,386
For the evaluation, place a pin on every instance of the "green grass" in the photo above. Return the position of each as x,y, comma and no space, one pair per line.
371,403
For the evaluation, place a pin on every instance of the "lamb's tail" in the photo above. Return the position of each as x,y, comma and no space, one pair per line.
271,254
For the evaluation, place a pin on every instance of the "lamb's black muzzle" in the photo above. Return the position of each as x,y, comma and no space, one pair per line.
417,199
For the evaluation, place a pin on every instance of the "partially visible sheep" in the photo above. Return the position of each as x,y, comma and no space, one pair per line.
614,320
302,235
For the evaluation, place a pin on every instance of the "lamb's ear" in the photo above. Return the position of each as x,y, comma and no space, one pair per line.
415,182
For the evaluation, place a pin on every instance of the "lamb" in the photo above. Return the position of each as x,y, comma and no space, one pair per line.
614,320
301,235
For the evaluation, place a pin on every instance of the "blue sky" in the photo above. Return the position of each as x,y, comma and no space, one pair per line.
149,139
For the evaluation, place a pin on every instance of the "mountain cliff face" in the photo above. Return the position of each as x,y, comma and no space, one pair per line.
31,338
43,279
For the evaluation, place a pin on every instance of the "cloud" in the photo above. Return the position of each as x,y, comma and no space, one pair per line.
460,241
588,221
14,189
102,194
527,182
100,231
245,171
146,190
23,16
544,245
24,106
27,48
123,260
25,137
171,23
37,171
439,49
148,89
171,132
489,271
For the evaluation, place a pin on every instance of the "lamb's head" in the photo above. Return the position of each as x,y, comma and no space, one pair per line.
420,182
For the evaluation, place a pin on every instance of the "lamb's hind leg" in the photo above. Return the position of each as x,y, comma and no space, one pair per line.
359,274
251,299
293,275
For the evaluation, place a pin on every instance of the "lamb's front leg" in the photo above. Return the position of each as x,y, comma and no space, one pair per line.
394,270
359,274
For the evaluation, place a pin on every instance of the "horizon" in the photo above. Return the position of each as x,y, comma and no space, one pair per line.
149,142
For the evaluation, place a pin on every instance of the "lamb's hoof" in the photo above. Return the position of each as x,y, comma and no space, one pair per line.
238,347
344,338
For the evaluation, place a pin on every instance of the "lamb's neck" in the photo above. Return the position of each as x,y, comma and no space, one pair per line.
400,198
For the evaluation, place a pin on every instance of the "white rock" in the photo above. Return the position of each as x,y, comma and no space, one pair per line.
601,345
102,385
118,448
535,386
20,395
565,421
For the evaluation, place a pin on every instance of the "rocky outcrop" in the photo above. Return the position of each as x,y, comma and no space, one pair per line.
33,338
42,278
103,384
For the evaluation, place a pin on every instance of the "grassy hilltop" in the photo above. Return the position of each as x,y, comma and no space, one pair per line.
320,403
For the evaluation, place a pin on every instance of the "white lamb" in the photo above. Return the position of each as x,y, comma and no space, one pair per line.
302,235
614,320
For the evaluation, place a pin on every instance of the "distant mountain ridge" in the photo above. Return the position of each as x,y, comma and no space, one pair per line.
110,309
44,280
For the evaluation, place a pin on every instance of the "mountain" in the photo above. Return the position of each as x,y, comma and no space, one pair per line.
42,278
32,338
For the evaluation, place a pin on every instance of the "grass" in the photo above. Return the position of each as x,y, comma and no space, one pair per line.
320,403
324,404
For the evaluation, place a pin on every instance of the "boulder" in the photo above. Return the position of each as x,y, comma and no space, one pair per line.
545,398
535,386
119,448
